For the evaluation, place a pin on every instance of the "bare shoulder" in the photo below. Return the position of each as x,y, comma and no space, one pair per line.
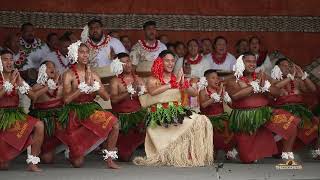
114,80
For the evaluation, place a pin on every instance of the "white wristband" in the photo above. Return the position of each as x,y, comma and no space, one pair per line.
216,97
84,87
255,85
24,88
266,87
8,87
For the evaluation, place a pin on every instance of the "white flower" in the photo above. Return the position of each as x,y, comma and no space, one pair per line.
73,52
255,85
266,87
84,87
232,154
276,73
239,67
116,66
111,154
51,84
85,34
142,90
95,87
7,86
24,88
130,89
203,83
216,97
226,97
32,159
305,75
42,75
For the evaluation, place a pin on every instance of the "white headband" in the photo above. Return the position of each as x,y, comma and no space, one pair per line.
239,67
73,52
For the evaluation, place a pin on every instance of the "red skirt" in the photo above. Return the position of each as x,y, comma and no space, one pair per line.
129,142
256,146
16,139
81,135
283,123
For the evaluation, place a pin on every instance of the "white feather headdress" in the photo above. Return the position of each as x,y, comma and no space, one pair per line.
85,34
73,52
276,73
239,67
116,66
42,75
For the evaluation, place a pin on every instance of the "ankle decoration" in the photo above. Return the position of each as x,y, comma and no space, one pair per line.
32,159
111,154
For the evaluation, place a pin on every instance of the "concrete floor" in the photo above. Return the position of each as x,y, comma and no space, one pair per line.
94,170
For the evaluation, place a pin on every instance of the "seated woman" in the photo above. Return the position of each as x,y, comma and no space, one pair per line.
175,136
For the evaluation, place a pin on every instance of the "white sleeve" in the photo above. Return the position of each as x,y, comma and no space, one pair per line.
135,55
162,47
178,65
267,65
232,62
117,46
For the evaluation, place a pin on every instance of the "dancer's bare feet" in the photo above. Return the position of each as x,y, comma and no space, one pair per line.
34,168
111,164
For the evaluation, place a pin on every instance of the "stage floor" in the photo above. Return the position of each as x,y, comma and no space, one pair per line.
94,170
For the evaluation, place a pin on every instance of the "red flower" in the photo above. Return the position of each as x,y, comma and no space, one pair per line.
165,105
153,108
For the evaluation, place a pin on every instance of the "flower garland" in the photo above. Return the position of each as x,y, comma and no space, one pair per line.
197,59
103,43
60,59
292,88
218,60
28,48
153,48
22,60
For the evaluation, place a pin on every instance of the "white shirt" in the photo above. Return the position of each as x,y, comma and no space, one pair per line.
54,57
139,53
266,66
102,56
227,65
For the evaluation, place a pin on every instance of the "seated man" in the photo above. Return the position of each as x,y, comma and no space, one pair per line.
175,136
295,83
86,124
212,97
17,129
252,120
125,89
47,107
